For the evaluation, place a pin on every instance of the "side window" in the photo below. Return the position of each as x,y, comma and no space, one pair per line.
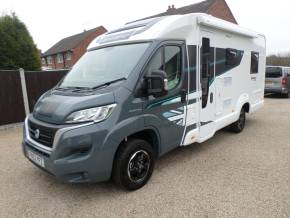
172,63
227,59
192,66
207,69
254,62
156,62
168,59
233,57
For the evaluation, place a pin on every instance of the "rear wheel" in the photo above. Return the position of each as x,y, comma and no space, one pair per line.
239,125
134,164
288,94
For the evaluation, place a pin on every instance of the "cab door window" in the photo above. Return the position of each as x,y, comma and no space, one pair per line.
169,59
156,62
173,65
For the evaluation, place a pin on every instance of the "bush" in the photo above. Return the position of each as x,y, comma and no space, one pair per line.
278,60
17,49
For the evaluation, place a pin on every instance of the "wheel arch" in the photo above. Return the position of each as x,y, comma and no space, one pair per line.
243,102
149,134
246,106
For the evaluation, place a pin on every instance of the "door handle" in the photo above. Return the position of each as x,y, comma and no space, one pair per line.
211,97
183,96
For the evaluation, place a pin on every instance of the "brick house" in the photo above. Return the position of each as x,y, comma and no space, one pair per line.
216,8
68,51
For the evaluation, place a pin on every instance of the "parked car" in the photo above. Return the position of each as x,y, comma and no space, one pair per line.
278,80
143,90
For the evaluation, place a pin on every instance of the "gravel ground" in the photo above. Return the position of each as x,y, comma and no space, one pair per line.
245,175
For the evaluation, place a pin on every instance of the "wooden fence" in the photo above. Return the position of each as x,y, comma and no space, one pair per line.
20,90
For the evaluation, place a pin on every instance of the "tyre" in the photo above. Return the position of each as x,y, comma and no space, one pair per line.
287,95
133,164
239,125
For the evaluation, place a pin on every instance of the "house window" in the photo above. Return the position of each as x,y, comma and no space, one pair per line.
68,56
43,61
254,62
59,58
49,60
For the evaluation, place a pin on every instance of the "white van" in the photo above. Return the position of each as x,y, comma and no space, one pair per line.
278,80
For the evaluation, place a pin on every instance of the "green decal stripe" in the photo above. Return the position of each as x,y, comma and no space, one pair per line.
159,103
192,101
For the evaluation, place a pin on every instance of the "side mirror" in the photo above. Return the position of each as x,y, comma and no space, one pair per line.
157,83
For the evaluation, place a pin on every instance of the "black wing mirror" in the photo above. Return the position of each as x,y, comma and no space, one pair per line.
157,83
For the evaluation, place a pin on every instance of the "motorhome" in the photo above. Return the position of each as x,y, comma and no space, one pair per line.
142,90
278,80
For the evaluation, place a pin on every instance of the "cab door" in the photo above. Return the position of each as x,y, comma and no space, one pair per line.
207,85
168,113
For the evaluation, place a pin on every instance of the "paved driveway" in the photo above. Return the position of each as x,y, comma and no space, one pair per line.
245,175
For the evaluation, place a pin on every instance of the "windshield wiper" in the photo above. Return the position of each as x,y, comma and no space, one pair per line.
71,88
85,89
108,83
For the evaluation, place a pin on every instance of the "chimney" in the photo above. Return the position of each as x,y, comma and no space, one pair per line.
171,8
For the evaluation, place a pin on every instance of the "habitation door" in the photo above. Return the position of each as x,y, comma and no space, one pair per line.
207,84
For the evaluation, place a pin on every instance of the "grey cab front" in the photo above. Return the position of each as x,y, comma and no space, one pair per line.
105,119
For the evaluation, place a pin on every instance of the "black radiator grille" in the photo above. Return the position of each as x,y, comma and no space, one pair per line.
41,134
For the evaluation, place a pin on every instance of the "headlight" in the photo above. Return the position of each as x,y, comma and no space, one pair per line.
96,114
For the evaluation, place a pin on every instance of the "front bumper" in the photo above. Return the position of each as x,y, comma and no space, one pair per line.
82,153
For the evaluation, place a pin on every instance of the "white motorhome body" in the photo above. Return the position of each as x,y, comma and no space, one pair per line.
233,78
143,90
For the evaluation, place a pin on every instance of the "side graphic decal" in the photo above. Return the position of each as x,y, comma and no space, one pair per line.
205,123
178,116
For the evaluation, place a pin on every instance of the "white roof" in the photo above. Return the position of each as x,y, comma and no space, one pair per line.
175,26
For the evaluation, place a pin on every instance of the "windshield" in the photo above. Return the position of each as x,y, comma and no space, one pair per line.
104,65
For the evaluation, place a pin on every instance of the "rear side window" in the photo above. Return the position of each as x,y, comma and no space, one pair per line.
254,62
227,59
233,57
273,72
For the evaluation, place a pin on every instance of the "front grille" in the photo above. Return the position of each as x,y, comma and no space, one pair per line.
41,134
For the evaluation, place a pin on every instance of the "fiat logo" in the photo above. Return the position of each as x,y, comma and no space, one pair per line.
36,134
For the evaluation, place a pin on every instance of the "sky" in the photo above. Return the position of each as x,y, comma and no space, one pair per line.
50,21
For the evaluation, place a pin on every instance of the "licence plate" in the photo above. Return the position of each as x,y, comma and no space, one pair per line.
35,158
269,83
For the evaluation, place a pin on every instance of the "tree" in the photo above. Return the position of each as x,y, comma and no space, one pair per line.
17,49
279,60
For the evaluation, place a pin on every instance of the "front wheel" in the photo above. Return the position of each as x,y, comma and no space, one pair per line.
134,164
239,125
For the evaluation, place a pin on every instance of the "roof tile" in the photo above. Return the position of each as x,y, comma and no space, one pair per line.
70,42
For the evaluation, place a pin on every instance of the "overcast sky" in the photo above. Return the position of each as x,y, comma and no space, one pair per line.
50,21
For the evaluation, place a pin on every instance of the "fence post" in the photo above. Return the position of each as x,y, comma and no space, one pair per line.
24,91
